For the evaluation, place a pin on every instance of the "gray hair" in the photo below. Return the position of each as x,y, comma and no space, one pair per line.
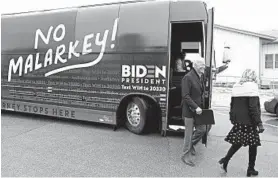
197,60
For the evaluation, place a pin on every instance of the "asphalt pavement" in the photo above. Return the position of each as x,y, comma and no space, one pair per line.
41,146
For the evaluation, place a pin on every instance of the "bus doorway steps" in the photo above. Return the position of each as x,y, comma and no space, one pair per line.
174,120
174,130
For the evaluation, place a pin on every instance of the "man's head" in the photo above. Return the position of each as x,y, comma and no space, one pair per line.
199,64
183,55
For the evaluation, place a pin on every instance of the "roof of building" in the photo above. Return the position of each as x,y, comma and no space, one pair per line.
260,35
272,33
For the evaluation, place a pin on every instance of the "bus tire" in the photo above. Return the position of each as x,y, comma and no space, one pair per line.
136,115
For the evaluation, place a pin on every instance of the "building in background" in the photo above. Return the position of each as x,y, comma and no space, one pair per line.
258,51
269,65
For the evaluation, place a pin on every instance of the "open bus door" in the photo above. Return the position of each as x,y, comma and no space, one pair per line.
209,55
209,58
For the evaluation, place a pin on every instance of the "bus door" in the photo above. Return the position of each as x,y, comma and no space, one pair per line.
209,57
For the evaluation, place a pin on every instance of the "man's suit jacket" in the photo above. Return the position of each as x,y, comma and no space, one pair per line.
192,89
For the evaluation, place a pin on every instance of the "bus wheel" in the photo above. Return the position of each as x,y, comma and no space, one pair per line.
136,115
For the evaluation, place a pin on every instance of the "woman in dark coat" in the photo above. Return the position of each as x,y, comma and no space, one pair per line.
245,115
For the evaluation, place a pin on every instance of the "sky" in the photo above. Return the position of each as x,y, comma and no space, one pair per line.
252,15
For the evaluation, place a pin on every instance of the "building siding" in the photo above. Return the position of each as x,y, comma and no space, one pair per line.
269,75
245,53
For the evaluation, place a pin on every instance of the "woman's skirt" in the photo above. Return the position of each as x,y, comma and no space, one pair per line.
244,135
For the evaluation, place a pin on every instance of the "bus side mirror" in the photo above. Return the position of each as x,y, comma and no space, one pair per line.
226,55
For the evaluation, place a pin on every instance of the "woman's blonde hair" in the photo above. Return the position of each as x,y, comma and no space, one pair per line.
248,75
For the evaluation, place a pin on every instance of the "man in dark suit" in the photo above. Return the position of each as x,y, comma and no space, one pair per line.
192,103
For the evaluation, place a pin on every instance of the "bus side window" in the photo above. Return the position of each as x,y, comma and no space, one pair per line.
88,24
136,30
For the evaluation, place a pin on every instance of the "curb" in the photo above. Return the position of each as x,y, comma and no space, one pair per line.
270,125
263,111
225,106
272,128
264,123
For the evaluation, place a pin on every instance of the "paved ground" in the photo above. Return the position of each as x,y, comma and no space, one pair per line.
39,146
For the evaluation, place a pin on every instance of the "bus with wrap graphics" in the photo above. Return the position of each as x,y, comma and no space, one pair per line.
106,63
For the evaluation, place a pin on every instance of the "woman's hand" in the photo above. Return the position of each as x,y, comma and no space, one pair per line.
261,128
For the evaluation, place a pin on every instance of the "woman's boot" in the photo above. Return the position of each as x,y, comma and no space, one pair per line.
252,159
224,161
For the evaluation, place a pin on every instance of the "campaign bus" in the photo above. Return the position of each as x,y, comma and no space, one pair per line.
106,63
